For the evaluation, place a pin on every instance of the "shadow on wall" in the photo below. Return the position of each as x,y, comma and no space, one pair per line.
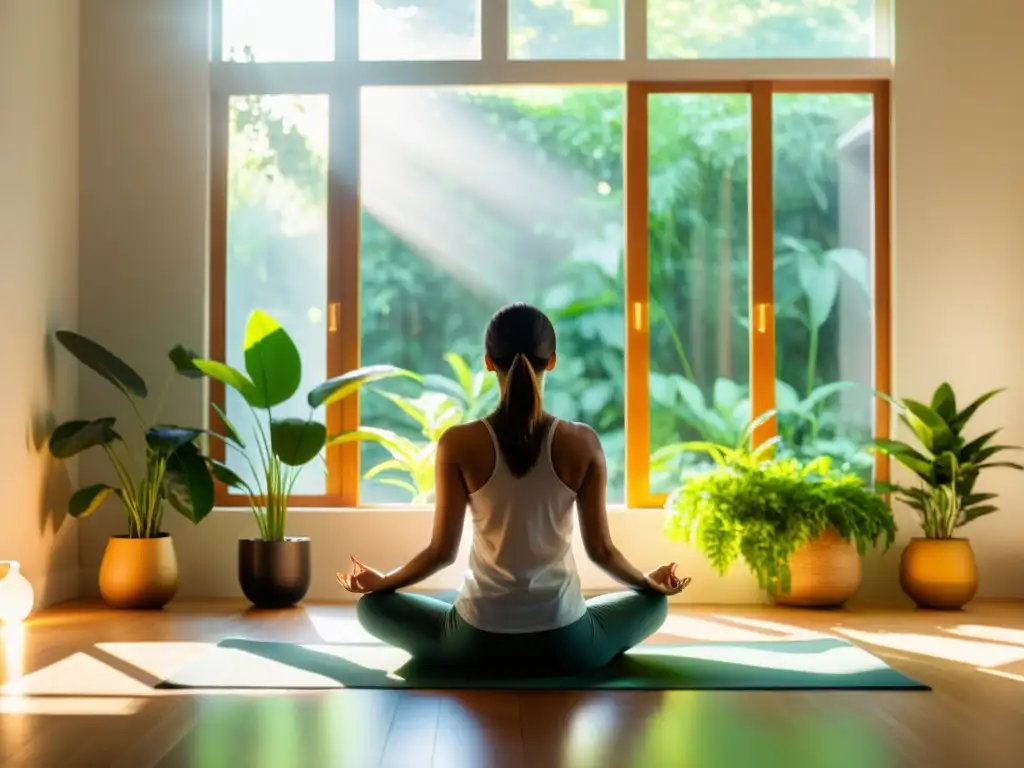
55,486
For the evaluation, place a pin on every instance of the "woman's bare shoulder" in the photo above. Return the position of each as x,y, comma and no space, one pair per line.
470,435
577,436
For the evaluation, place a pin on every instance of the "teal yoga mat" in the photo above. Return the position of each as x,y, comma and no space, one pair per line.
825,663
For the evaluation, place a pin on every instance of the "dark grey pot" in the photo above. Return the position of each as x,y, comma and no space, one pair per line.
274,574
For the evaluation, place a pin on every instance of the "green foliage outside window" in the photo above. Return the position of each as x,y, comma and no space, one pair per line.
420,316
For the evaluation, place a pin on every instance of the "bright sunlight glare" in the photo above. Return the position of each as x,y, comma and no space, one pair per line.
995,634
12,637
432,167
689,628
977,654
848,660
303,30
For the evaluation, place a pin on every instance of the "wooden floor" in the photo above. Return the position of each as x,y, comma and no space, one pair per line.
78,691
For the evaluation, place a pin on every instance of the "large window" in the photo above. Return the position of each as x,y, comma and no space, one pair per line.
696,193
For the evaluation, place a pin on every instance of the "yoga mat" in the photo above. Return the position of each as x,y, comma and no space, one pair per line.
826,663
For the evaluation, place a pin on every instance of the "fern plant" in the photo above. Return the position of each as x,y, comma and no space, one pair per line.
763,509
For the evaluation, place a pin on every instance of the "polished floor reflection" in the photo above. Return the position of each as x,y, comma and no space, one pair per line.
77,689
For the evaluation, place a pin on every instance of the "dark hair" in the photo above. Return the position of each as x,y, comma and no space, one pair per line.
520,341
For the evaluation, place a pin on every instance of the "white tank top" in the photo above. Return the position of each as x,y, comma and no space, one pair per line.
522,574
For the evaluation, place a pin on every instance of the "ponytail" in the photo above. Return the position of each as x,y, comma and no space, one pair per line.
519,414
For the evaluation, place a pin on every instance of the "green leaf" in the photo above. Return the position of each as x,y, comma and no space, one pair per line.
272,360
787,399
663,456
765,449
181,358
930,428
226,475
1003,464
972,448
822,393
748,432
854,263
230,377
228,426
820,283
188,483
73,437
105,363
166,440
413,408
987,453
368,434
975,512
461,370
944,402
87,500
388,465
976,498
296,442
965,415
438,383
337,389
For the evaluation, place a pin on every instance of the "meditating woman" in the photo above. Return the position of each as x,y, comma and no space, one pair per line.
520,471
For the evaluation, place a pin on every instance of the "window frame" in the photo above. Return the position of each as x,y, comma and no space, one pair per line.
342,81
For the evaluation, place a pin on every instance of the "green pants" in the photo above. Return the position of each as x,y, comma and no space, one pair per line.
432,632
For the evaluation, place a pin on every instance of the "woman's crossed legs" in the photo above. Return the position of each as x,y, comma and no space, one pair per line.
432,631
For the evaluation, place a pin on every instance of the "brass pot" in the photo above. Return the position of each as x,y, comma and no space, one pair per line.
939,573
139,573
824,573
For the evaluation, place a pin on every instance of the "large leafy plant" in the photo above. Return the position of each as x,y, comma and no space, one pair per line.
283,445
175,469
947,464
764,509
446,402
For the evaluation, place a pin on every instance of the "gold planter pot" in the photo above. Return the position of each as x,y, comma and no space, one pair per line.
939,573
824,573
139,573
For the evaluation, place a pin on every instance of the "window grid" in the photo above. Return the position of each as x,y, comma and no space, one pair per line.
343,80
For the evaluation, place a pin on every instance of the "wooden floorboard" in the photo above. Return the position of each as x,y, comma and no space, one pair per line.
78,690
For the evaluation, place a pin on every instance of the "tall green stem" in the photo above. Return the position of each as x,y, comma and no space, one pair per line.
676,341
812,360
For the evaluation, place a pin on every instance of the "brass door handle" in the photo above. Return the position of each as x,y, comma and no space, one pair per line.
763,312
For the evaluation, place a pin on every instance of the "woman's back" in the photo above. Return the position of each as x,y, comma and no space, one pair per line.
522,574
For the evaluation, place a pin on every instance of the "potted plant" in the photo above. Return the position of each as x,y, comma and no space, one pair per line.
139,569
274,570
800,527
938,570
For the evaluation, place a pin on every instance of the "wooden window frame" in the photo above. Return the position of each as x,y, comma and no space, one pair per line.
342,81
762,260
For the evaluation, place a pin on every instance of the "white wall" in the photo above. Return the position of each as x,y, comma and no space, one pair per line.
959,239
960,179
144,190
38,294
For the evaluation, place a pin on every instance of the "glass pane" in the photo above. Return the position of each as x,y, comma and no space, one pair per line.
277,30
763,29
823,245
490,196
565,29
699,264
277,244
415,30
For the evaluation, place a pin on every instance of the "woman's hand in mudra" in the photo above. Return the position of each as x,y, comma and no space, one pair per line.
362,580
665,581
